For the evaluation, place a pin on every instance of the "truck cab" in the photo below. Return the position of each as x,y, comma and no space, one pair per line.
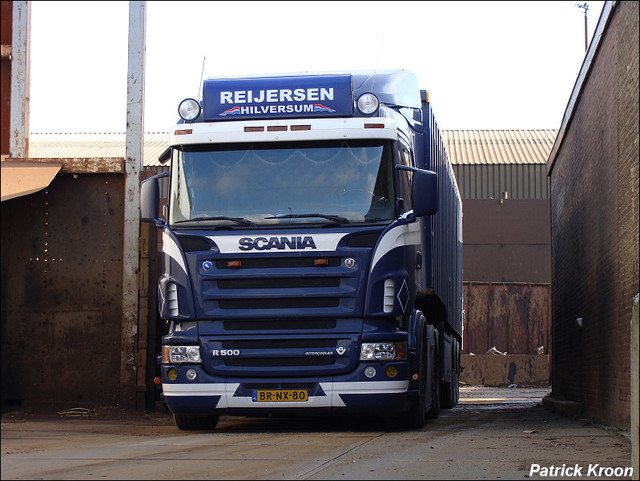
298,268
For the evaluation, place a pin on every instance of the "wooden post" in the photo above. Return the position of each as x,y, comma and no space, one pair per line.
133,166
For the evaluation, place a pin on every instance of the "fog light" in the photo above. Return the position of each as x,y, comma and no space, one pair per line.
370,371
191,374
172,374
391,371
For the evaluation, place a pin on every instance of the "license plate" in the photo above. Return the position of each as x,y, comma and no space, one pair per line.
279,395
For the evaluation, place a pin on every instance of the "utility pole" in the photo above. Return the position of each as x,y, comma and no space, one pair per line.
133,166
20,81
584,7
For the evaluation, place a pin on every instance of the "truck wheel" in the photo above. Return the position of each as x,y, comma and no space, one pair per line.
192,422
450,393
451,390
416,416
434,410
445,396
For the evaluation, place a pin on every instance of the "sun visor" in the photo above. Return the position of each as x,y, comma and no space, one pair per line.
23,178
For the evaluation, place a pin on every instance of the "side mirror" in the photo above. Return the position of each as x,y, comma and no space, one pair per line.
424,193
150,198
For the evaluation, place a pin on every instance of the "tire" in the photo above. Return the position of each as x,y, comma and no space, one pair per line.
434,410
416,416
192,422
446,395
450,391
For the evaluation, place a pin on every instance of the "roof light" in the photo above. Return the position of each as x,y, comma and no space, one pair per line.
300,127
276,128
183,132
189,109
374,126
368,103
254,129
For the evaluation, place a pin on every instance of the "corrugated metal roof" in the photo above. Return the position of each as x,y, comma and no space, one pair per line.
92,145
465,147
496,147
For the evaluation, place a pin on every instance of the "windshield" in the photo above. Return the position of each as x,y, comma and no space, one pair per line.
287,183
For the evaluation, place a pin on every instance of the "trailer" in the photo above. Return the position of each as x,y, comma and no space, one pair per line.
312,251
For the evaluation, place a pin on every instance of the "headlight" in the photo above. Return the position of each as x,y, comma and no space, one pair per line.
383,351
368,103
177,354
189,109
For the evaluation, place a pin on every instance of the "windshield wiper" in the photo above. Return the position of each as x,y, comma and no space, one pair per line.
237,220
334,218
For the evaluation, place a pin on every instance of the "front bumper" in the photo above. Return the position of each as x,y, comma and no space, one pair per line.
235,396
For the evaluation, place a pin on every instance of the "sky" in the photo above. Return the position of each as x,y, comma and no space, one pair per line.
486,65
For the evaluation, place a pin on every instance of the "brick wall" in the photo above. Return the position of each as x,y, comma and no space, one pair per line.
594,226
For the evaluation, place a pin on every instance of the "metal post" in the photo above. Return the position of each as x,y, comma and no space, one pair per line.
20,64
586,43
584,7
133,166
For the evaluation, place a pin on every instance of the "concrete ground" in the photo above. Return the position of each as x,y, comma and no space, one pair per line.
493,433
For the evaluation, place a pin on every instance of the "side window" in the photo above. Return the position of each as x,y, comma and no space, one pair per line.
406,158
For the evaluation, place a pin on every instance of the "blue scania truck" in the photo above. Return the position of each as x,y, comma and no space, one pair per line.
312,251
